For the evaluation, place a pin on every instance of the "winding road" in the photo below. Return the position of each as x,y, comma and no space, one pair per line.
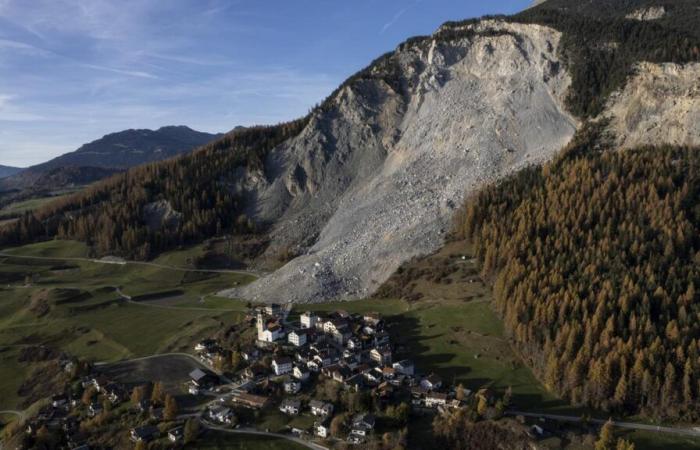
629,425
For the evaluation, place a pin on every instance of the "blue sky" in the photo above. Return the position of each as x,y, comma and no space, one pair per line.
74,70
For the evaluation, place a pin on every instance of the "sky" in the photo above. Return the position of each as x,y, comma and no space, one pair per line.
72,71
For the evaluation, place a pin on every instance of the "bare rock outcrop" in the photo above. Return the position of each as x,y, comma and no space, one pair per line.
374,179
644,14
660,104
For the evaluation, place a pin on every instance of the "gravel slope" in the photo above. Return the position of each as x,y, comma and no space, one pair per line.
374,180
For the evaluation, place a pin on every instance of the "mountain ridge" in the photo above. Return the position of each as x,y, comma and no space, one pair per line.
109,154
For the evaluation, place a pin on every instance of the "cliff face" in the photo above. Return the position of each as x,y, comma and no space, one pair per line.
374,178
659,104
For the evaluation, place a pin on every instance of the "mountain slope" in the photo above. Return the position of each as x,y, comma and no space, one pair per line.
115,151
6,171
474,108
373,176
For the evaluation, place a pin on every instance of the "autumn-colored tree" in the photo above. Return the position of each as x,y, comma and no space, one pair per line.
171,409
191,430
606,439
158,392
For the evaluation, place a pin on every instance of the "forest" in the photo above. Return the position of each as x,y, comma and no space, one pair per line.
594,262
109,215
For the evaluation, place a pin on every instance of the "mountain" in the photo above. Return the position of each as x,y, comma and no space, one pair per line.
374,176
6,171
111,153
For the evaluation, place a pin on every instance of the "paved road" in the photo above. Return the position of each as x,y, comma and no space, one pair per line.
12,412
630,425
136,263
307,444
185,308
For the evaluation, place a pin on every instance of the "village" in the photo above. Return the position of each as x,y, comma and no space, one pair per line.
333,376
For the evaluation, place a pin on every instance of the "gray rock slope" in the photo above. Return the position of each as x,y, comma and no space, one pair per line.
374,180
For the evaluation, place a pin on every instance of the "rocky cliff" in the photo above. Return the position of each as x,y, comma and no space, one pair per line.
374,178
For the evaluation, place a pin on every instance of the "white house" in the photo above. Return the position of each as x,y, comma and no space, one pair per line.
381,355
308,320
290,407
431,382
319,408
322,429
221,414
363,424
435,399
405,367
292,386
282,365
300,373
297,338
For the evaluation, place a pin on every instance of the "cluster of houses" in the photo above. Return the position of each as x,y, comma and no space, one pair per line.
354,350
63,414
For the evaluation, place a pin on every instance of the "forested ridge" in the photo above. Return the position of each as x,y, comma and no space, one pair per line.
594,260
599,49
110,214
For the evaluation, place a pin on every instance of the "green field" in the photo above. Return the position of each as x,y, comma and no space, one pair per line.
79,310
454,332
229,441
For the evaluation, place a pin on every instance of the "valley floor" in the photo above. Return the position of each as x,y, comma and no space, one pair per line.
439,315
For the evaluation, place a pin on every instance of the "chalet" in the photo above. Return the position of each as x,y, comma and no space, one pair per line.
319,408
435,399
204,378
282,365
330,326
290,407
144,434
250,400
363,424
431,382
176,434
405,367
381,355
221,414
273,333
322,428
298,338
323,359
308,320
300,373
292,386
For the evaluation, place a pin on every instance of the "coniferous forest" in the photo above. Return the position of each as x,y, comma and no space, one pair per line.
109,215
594,260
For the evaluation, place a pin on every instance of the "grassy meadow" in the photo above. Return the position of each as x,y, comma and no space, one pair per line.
73,306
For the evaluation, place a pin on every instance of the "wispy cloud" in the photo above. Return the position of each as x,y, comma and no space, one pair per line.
131,73
393,20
